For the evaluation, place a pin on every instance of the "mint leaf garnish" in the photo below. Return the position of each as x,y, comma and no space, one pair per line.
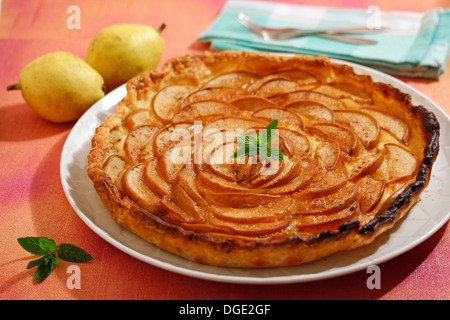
268,133
44,270
275,154
47,244
47,248
32,245
249,145
72,253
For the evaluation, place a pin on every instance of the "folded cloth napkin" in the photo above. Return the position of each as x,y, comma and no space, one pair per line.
414,44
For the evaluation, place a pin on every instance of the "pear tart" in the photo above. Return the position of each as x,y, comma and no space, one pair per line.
356,155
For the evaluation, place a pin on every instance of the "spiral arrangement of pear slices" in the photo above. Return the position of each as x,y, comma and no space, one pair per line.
343,157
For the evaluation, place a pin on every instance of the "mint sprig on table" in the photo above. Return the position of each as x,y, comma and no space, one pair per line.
50,252
250,145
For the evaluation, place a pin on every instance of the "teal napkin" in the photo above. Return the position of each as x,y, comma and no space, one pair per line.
415,44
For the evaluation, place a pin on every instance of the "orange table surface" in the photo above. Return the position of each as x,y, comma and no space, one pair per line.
33,203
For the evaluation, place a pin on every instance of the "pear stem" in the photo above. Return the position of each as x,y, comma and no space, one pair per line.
15,86
161,28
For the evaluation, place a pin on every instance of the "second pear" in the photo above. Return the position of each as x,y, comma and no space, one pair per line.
120,52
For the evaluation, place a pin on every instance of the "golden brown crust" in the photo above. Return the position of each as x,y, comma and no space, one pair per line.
196,237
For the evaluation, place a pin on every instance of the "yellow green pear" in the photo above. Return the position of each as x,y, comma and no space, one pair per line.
59,86
122,51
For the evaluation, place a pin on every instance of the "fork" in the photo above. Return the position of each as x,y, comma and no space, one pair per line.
287,33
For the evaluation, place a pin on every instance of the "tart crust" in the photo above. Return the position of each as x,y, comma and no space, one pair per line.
198,238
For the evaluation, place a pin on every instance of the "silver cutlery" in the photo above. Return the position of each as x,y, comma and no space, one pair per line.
287,33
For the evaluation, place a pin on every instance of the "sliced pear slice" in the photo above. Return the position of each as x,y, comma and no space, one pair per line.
311,112
297,178
267,172
345,90
148,150
246,170
302,77
390,123
208,181
366,163
135,188
250,229
328,151
347,140
298,96
154,180
400,164
307,220
253,103
295,143
165,104
171,135
239,199
189,207
205,108
329,203
235,79
364,125
137,118
175,214
216,93
275,87
114,166
289,170
220,160
286,118
326,182
371,192
187,180
234,125
255,214
173,160
136,140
